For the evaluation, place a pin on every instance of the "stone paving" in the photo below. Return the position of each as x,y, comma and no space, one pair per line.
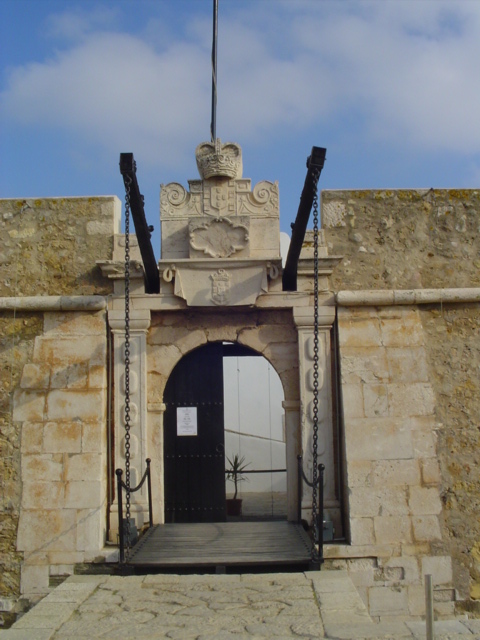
217,607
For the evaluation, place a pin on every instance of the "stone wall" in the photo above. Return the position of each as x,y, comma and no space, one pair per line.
48,247
61,404
392,472
403,239
413,240
17,335
452,339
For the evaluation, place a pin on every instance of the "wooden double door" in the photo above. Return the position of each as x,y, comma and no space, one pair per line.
194,438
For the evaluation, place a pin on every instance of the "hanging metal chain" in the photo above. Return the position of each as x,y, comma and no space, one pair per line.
128,182
316,531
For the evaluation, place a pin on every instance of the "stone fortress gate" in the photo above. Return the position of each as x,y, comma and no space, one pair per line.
396,432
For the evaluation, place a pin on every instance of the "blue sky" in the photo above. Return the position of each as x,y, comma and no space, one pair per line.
390,87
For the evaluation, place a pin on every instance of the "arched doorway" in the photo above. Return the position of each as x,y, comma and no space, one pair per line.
255,432
194,450
219,400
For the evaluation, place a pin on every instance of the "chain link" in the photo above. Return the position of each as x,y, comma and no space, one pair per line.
128,182
316,532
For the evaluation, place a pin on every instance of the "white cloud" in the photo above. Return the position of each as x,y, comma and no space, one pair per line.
75,25
408,69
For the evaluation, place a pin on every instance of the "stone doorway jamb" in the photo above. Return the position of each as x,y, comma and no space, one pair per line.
304,322
139,325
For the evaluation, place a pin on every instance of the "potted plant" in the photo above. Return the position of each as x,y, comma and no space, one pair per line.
236,474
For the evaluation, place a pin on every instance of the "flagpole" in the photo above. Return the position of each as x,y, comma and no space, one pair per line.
213,123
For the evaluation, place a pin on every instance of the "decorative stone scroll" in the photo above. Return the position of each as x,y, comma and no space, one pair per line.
263,199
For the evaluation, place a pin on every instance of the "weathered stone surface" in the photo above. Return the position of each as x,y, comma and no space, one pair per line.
424,501
71,350
84,494
439,567
396,473
28,406
380,439
75,405
420,224
62,437
388,601
35,376
454,354
361,531
50,248
52,529
392,529
426,528
54,252
44,467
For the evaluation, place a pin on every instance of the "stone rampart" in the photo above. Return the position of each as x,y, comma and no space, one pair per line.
53,372
410,380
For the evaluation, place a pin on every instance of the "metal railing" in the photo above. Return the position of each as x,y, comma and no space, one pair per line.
318,525
121,521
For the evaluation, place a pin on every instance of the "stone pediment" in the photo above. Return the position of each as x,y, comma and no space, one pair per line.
244,222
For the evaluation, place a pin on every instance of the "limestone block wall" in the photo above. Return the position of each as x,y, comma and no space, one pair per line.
53,375
413,373
17,336
61,405
392,470
452,339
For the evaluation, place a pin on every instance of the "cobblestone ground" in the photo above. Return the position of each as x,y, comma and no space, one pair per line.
195,606
216,607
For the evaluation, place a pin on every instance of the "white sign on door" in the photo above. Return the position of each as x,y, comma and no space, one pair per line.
186,421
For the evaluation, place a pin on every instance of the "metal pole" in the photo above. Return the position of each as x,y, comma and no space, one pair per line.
213,124
299,489
121,541
321,473
149,486
429,607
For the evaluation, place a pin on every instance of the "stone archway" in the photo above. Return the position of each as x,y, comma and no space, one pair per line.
270,333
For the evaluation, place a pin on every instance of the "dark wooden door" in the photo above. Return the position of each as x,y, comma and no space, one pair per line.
194,455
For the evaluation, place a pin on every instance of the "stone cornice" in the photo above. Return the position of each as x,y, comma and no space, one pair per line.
54,303
387,297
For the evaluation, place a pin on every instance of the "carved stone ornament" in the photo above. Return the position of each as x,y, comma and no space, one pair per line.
263,200
175,200
215,159
221,287
218,237
115,269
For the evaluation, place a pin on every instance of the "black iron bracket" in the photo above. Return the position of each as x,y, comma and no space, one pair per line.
315,164
128,169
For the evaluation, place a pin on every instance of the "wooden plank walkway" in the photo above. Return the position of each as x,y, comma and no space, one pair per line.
222,544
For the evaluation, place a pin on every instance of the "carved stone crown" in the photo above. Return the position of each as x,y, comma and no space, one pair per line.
219,160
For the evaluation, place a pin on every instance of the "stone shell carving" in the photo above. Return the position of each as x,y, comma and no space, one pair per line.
218,237
216,159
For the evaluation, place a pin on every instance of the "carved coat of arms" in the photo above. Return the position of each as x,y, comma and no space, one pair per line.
220,287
